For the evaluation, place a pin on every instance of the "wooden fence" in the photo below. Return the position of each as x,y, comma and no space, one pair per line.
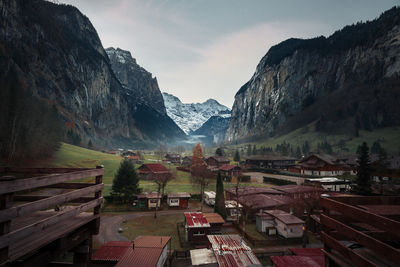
41,205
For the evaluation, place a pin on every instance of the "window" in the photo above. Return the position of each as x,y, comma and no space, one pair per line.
174,200
153,201
291,230
197,233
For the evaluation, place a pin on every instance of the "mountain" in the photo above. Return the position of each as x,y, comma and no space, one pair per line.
215,127
344,83
190,117
56,52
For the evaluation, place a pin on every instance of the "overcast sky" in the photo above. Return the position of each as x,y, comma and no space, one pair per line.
200,49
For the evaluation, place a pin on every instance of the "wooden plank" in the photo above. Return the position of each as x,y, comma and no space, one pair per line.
358,214
69,185
41,225
363,239
41,181
41,170
29,198
21,210
347,253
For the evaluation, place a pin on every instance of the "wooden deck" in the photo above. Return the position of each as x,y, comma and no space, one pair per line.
39,214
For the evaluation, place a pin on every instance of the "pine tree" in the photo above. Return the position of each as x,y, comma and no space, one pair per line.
219,206
126,181
219,152
237,156
363,181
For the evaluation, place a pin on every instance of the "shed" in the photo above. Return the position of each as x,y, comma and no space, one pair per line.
149,200
196,227
178,200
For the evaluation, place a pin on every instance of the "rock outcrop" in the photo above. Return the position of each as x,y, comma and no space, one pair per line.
346,82
57,53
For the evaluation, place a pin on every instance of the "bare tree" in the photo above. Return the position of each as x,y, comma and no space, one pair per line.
161,179
161,151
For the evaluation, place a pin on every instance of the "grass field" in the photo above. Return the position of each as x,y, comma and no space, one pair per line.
389,139
73,156
164,225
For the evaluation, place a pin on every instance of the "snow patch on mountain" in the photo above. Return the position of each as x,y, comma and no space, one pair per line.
190,117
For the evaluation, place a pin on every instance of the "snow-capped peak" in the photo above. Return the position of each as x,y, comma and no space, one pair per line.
190,117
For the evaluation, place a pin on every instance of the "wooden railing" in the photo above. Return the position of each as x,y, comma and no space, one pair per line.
21,189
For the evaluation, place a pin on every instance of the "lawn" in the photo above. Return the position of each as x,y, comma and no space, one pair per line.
164,225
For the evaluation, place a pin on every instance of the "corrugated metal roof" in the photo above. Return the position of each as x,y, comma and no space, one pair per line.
111,251
232,251
143,257
196,219
151,241
289,261
307,251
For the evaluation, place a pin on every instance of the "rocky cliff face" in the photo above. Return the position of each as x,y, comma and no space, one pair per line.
345,82
215,127
58,55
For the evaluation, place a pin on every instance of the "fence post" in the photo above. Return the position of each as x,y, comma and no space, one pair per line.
5,203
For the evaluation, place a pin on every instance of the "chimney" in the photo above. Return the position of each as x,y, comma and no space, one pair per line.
133,245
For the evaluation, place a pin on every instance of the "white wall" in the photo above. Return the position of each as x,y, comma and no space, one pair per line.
289,231
163,257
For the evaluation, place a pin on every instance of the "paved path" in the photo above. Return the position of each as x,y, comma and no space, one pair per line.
257,177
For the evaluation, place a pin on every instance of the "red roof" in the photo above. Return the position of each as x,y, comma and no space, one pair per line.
111,251
153,167
297,189
227,167
151,241
196,219
288,261
307,251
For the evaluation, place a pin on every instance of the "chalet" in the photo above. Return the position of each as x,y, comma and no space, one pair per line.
232,250
230,170
330,183
173,158
149,200
217,161
270,161
198,225
150,171
324,165
147,251
178,200
279,222
186,161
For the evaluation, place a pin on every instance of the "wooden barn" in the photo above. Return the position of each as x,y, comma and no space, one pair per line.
178,200
150,171
217,161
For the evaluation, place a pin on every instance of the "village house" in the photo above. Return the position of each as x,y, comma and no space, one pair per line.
186,161
233,210
230,170
280,222
270,162
324,165
149,200
173,158
147,251
217,161
198,225
330,183
178,200
150,171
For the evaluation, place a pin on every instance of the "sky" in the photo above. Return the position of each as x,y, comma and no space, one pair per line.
201,49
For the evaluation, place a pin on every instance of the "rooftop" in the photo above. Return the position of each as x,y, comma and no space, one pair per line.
227,167
265,201
202,256
151,241
232,251
195,219
179,195
229,204
112,251
284,217
288,261
213,218
153,167
244,191
269,157
149,195
220,158
297,189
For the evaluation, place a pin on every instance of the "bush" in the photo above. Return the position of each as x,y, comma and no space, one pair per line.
276,181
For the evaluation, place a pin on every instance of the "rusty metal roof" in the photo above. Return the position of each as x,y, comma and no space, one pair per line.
196,219
232,251
112,251
213,218
143,257
307,251
304,261
151,241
